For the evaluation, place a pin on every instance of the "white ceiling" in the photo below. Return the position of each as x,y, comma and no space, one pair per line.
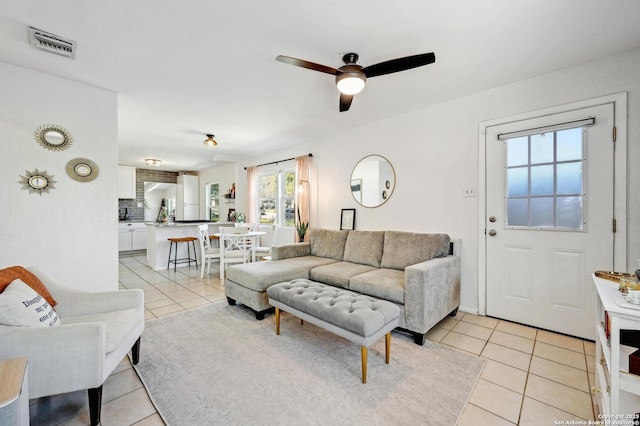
184,69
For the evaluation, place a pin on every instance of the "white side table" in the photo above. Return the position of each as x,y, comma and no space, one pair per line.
617,390
14,392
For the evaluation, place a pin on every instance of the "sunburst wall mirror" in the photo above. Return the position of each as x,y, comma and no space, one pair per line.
53,137
37,182
82,169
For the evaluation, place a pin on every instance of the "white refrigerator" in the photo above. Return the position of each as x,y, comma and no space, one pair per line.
187,200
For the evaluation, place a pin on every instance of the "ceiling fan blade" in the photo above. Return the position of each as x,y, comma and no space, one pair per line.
345,102
306,64
399,64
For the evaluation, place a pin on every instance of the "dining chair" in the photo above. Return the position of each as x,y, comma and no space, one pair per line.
207,253
233,247
264,252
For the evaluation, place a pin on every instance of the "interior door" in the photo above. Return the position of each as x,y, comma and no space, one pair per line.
549,218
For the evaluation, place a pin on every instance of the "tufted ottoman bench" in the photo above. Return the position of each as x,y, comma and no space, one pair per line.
358,318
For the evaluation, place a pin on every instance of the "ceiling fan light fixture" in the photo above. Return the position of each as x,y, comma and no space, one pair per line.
152,162
350,82
210,141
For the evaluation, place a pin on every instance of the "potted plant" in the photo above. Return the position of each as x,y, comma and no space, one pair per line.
301,227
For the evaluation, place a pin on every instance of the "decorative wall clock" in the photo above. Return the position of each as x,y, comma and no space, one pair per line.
37,182
53,137
82,169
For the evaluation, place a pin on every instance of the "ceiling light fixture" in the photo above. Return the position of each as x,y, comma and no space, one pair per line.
351,81
152,162
210,141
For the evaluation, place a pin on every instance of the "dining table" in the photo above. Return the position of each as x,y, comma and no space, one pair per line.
253,236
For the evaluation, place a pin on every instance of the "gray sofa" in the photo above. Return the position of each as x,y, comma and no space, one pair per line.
417,272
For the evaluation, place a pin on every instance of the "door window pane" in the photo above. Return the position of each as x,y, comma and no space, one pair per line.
214,202
570,178
569,144
517,151
542,212
518,212
542,148
518,182
569,212
542,180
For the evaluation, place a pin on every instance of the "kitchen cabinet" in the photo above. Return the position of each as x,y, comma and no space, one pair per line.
126,182
617,391
132,236
187,198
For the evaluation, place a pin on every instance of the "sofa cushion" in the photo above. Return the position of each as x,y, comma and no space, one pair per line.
119,325
327,243
402,249
338,274
259,276
21,306
8,275
364,247
387,284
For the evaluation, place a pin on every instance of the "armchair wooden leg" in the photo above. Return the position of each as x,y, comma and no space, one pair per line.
135,352
95,405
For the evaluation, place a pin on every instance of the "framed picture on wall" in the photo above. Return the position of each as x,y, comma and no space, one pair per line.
348,219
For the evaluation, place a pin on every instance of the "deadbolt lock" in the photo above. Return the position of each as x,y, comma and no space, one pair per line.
492,219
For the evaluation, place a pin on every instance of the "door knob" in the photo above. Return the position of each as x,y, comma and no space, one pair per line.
492,232
492,219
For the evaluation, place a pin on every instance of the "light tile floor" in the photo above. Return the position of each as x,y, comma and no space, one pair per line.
532,376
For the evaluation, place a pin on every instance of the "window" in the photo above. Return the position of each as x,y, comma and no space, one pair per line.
545,180
276,197
213,201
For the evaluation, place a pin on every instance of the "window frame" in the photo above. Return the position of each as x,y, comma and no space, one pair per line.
208,199
280,199
554,162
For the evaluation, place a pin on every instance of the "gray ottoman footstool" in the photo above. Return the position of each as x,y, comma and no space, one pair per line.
358,318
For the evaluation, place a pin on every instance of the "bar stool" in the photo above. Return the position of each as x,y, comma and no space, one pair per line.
175,260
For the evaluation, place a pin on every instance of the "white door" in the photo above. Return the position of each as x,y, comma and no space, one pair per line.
549,218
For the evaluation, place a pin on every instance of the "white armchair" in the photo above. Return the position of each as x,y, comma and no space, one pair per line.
97,331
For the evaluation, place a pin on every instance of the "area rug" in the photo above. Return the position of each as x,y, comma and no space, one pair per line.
217,365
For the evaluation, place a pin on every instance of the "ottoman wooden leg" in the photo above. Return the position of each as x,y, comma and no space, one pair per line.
364,352
387,347
278,321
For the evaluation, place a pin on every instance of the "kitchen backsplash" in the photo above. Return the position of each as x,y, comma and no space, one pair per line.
130,207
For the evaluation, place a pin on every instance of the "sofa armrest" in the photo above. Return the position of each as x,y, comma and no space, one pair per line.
432,291
61,359
290,250
72,302
75,303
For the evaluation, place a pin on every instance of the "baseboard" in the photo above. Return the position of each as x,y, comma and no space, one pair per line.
468,309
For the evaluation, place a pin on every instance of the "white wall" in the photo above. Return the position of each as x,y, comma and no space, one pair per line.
71,234
434,152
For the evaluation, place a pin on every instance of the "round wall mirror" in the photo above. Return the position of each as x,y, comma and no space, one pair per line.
373,181
53,137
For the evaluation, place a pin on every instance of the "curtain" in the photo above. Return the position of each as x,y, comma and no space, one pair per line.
302,194
252,184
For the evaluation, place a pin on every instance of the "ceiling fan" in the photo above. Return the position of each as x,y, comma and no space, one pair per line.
351,77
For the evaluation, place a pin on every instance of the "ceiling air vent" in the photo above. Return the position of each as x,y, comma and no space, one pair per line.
52,43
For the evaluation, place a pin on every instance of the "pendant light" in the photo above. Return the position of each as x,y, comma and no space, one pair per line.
210,141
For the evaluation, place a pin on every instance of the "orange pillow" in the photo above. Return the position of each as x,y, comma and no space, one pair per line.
8,275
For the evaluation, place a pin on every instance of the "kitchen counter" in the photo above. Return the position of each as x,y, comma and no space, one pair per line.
158,245
189,223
